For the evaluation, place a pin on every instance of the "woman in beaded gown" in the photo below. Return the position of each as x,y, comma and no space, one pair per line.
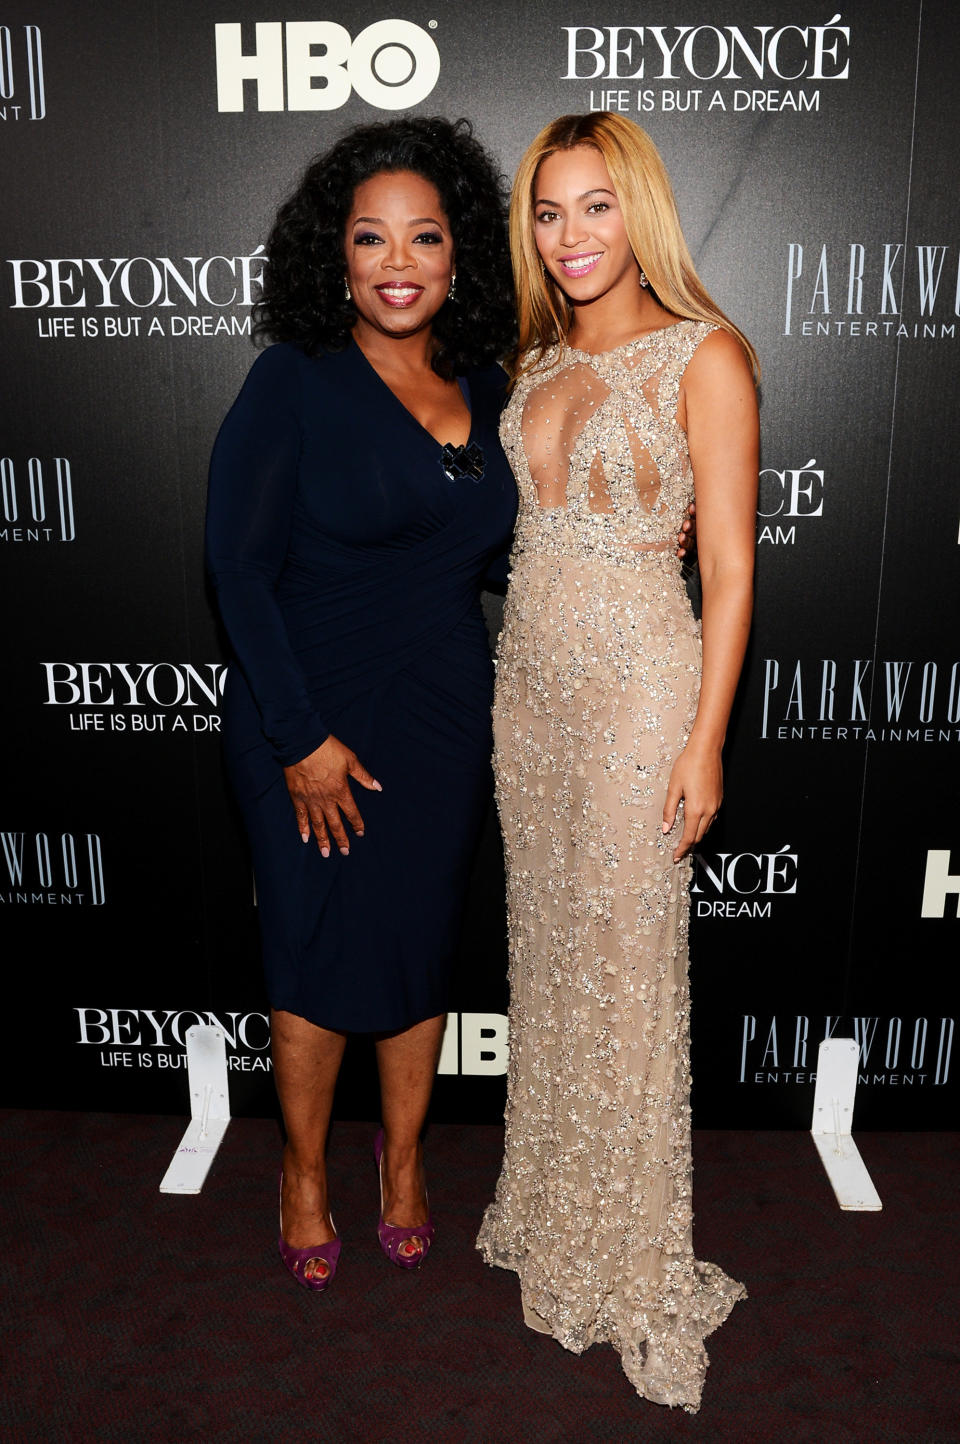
629,385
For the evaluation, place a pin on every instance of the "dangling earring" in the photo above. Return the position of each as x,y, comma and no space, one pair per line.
543,269
451,294
643,279
346,289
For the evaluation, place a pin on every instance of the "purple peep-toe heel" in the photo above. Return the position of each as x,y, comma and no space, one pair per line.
393,1237
296,1259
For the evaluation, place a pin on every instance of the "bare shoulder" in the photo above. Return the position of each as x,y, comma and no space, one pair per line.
719,360
718,382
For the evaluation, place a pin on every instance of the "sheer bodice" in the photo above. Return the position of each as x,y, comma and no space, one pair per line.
600,459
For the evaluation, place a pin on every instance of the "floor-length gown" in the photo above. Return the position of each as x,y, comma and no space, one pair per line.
597,683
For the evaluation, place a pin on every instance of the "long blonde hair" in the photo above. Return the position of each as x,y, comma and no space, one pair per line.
544,315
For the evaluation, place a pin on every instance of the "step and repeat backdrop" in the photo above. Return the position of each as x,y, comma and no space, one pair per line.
145,148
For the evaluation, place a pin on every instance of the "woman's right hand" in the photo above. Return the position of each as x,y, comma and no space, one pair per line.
320,793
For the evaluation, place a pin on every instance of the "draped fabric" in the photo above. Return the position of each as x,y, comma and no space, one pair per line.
348,570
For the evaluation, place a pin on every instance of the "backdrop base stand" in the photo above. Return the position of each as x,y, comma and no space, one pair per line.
833,1123
210,1110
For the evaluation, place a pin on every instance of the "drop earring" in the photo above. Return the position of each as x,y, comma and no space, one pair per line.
346,289
452,293
643,278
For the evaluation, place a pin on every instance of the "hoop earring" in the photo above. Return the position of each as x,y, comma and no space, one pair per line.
643,279
452,293
346,290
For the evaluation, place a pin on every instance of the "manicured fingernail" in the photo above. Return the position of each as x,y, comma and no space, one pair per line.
376,786
359,831
664,827
324,852
344,852
305,835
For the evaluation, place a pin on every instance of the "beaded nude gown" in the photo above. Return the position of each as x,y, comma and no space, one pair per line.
597,683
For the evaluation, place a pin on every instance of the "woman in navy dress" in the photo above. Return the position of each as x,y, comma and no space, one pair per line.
358,496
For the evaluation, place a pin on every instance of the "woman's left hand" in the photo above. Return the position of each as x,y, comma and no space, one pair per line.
697,779
687,535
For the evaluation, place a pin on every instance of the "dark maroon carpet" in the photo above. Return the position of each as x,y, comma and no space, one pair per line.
130,1315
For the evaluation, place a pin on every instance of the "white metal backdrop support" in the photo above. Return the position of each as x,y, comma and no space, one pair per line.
209,1107
833,1125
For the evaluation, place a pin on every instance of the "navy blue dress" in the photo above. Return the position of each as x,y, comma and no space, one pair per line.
348,570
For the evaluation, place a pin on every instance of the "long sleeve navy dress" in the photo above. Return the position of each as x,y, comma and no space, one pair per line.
348,570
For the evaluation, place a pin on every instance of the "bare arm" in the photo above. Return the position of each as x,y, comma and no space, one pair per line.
718,407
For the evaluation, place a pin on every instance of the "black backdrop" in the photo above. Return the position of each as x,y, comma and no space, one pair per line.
813,155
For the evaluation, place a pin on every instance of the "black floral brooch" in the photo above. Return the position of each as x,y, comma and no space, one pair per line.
458,462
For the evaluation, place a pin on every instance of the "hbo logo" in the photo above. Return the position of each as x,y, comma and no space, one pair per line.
391,64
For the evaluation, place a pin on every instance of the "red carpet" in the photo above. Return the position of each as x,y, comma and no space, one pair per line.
129,1315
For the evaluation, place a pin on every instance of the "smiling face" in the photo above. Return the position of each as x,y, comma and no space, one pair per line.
399,253
579,226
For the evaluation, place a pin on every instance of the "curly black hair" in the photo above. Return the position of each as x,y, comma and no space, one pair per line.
303,299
